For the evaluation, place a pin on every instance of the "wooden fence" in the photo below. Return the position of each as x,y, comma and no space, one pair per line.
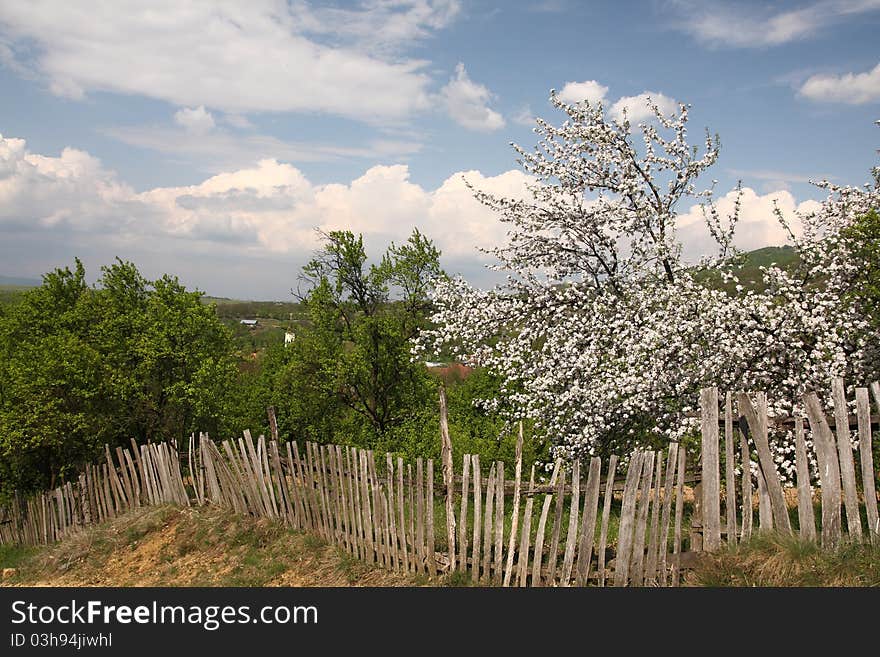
839,492
399,516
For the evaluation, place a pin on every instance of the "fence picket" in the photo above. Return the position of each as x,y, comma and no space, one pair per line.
806,519
588,522
829,470
537,562
606,516
863,415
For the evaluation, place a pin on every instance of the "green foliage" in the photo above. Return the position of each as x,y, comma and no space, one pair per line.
863,239
348,375
84,366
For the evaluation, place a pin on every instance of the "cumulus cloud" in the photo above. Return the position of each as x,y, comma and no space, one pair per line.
575,92
757,226
636,107
468,103
851,88
261,56
742,25
197,120
70,192
270,208
267,213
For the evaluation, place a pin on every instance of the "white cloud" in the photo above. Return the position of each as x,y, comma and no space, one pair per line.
71,191
637,109
257,56
758,26
575,92
70,204
197,121
851,88
378,26
468,103
757,226
523,116
270,208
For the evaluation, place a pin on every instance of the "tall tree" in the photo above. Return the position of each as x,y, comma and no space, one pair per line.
602,333
355,357
83,366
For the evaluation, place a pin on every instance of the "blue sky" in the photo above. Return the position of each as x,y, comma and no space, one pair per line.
209,140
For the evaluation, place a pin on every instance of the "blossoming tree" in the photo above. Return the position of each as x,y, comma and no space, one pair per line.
602,333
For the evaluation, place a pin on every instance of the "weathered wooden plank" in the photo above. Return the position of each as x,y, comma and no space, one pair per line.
806,519
382,557
360,515
747,502
488,517
408,566
637,571
462,516
866,459
710,469
588,522
294,490
663,542
255,468
757,422
553,554
522,561
367,510
514,522
571,534
355,526
345,501
499,523
305,489
679,511
267,475
829,470
730,466
126,482
448,478
420,516
627,520
413,505
765,510
321,480
845,454
273,422
396,553
650,578
133,474
606,516
538,560
478,517
429,520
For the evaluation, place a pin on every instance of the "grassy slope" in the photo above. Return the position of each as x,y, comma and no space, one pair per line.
168,546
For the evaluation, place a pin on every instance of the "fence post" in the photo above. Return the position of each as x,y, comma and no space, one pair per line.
711,470
448,478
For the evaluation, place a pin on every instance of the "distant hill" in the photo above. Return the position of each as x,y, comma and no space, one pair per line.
15,281
748,267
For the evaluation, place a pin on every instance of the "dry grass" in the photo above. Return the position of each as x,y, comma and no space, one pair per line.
170,546
771,559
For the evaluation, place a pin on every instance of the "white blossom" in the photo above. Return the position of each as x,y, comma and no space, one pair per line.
601,333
